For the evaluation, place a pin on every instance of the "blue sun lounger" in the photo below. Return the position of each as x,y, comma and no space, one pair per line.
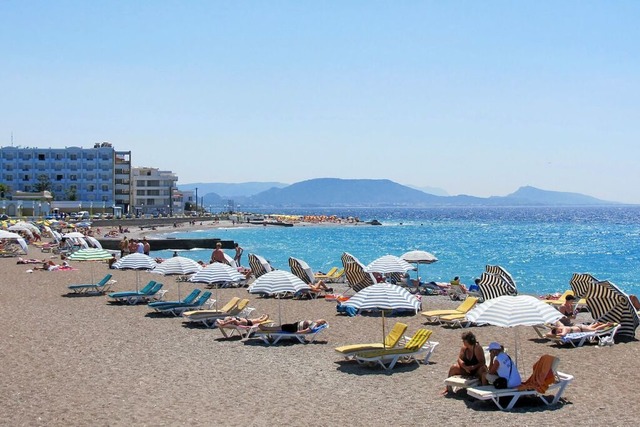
152,291
178,307
98,288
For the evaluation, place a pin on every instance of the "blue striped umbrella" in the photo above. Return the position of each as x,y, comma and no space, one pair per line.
389,264
217,273
278,282
136,261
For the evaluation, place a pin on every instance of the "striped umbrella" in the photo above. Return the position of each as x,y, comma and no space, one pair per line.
388,264
493,286
509,311
302,270
91,254
504,274
259,265
608,303
177,265
355,273
278,282
580,284
384,296
136,261
217,273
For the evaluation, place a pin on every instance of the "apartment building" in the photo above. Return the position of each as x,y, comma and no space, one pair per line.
155,192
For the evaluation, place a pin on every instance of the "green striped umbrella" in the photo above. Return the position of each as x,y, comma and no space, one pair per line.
90,254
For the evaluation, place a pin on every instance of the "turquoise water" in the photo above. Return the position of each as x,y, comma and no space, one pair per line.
540,247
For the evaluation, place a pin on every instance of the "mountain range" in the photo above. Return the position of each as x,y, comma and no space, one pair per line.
335,192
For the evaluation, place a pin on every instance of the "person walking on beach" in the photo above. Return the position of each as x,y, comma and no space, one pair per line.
238,255
146,247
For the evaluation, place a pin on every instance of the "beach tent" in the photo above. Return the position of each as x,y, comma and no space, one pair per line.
357,277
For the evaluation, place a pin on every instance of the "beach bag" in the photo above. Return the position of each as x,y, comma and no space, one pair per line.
500,383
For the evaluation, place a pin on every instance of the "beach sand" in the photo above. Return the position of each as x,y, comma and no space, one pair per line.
81,361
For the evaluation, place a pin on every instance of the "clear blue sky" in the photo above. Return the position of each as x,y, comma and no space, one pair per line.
474,97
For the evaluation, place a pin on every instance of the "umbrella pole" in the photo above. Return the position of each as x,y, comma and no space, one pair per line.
383,332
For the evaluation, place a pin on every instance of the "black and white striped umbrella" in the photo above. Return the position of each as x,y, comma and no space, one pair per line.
389,264
580,284
177,265
494,285
508,311
216,273
504,274
302,270
354,271
259,265
136,261
608,303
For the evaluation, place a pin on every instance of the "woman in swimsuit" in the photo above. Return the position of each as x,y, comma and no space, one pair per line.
561,331
471,361
241,321
301,327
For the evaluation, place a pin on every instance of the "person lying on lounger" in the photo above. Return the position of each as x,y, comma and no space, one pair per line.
320,286
301,327
561,331
241,321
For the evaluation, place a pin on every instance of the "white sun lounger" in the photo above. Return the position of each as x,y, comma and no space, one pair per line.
273,337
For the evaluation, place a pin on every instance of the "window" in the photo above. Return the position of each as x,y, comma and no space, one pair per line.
73,177
25,177
59,177
41,157
105,187
73,157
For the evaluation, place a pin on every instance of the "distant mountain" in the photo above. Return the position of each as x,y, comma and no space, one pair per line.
430,190
532,195
334,192
227,191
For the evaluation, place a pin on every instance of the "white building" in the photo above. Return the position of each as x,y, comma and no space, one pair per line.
153,191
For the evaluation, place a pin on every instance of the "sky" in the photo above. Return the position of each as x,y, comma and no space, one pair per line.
473,97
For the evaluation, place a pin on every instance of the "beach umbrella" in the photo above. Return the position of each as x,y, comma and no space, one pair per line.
93,242
74,235
31,227
278,282
580,283
494,286
419,257
302,270
91,254
259,265
355,273
384,296
15,236
216,273
21,228
509,311
177,266
504,275
389,264
608,303
136,261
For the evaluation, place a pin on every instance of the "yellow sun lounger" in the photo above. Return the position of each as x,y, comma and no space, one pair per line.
463,308
390,341
418,345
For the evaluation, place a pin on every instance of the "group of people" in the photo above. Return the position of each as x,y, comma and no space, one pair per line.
471,362
131,246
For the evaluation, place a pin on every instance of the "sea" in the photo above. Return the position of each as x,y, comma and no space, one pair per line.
541,247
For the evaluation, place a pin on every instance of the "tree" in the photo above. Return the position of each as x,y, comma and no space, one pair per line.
4,189
188,206
43,184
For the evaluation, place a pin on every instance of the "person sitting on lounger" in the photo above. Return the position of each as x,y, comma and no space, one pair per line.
568,311
320,286
471,361
501,366
561,331
241,321
301,327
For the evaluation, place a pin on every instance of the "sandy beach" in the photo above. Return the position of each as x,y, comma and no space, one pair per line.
82,361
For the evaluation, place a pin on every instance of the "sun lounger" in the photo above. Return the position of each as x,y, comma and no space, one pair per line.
273,337
328,275
581,303
235,307
578,339
177,308
456,320
463,308
418,345
390,341
545,383
98,288
243,331
151,292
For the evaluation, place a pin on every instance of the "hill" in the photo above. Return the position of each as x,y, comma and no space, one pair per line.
231,190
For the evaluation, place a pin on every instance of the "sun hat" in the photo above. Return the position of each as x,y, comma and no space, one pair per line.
495,346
